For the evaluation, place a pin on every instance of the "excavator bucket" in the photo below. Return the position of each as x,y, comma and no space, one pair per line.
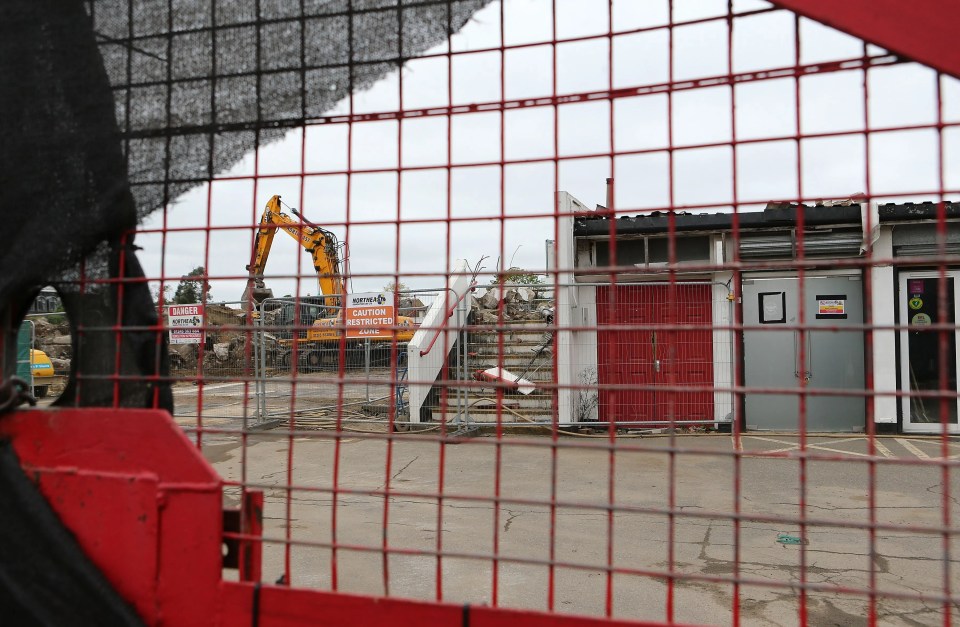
258,294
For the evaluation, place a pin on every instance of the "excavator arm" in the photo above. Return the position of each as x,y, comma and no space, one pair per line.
261,251
320,243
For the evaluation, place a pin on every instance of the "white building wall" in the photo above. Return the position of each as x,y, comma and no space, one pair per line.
567,302
724,347
882,305
577,307
584,356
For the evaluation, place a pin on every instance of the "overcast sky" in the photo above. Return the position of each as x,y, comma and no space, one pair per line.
835,167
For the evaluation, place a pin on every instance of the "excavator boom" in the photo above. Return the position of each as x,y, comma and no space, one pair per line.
314,350
320,243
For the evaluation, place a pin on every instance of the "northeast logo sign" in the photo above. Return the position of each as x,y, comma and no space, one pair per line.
369,315
360,300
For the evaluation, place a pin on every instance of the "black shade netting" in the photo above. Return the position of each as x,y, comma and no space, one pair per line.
112,108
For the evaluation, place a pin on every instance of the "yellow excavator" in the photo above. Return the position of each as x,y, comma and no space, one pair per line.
319,346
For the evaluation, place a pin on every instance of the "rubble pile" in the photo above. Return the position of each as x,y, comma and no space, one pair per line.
224,349
412,307
52,336
519,304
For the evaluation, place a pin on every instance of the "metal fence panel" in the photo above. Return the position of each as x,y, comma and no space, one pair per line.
728,394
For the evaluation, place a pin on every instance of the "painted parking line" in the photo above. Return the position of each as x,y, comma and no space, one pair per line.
913,449
184,391
936,443
821,447
879,447
883,450
796,446
933,439
790,447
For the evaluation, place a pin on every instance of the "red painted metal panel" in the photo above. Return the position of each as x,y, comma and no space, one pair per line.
923,30
251,520
649,353
138,496
127,441
625,356
190,555
116,520
690,356
290,607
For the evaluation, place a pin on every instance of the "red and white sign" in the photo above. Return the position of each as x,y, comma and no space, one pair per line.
186,323
370,315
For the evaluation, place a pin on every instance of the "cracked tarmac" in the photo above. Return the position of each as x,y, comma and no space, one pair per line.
702,546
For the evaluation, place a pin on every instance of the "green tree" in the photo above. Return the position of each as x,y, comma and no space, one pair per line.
396,286
161,299
519,275
191,290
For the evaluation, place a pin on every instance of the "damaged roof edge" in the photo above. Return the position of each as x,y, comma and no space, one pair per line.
774,216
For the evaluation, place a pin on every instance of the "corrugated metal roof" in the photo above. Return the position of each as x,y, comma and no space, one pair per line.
776,215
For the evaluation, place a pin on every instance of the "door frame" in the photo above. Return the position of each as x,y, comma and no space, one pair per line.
810,273
906,425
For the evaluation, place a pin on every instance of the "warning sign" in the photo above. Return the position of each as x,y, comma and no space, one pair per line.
186,324
370,315
831,307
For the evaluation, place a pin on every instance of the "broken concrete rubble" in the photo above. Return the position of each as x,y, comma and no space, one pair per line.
221,351
515,303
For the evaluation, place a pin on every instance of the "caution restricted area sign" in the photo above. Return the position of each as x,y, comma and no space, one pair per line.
186,323
370,315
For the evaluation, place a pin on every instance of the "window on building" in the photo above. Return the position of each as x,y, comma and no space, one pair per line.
654,251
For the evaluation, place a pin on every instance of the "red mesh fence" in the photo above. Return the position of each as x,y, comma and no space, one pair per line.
644,311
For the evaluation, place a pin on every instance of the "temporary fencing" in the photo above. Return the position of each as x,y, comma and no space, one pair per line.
726,393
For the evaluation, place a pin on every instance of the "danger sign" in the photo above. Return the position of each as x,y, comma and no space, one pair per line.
369,315
186,324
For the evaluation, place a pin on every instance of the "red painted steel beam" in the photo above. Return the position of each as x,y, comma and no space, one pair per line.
922,30
279,606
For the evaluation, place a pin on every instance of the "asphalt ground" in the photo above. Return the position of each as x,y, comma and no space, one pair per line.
673,500
623,524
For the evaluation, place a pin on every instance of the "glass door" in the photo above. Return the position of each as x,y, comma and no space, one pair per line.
928,358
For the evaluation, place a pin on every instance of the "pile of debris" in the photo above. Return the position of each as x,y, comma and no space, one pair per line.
52,336
519,303
412,307
224,349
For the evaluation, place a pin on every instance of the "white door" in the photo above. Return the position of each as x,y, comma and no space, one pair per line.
928,358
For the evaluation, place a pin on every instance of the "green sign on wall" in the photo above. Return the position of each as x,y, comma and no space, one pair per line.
24,340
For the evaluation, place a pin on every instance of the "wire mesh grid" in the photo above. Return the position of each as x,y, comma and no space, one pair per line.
726,394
